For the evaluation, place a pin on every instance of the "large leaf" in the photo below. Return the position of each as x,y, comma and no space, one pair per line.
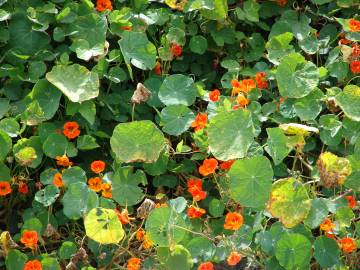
250,181
296,77
78,200
47,196
293,251
6,144
349,101
178,89
55,145
138,50
125,189
103,226
326,251
279,46
138,141
22,152
309,107
277,145
75,81
289,202
231,134
176,119
317,214
218,13
165,227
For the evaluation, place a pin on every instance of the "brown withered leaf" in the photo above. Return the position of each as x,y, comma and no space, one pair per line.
141,94
145,208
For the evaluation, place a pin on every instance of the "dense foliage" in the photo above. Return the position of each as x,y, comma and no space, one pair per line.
179,134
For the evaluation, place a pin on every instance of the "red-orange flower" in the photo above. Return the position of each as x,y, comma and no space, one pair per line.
206,266
195,212
214,95
106,190
140,235
95,183
247,85
208,167
226,165
233,221
351,201
200,121
102,5
23,188
234,258
195,189
176,50
33,265
327,225
57,180
242,101
123,216
348,245
261,81
97,166
354,25
330,235
126,28
355,50
355,66
5,188
133,264
157,68
29,239
71,130
63,161
147,243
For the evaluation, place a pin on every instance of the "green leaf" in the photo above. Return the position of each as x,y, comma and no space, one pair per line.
218,13
309,107
344,215
289,202
26,156
201,248
250,181
15,259
78,200
296,77
138,50
179,259
293,251
159,167
251,9
87,110
6,145
138,141
125,189
49,263
178,89
75,81
164,227
317,214
176,119
279,46
4,172
55,145
103,226
10,126
277,145
198,44
326,251
47,196
66,250
349,101
4,106
231,134
216,208
86,142
73,175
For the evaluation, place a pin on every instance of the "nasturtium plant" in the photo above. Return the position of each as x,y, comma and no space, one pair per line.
179,134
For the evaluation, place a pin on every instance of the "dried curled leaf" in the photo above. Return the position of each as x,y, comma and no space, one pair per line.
6,242
141,94
333,169
145,208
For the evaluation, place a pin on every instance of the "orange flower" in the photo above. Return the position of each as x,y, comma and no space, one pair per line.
351,201
29,239
97,166
226,165
133,264
195,189
95,183
23,188
214,95
106,190
247,85
195,212
234,258
348,245
159,205
200,121
242,101
126,28
176,50
102,5
327,225
57,180
5,188
147,244
355,50
157,68
71,130
206,266
140,235
63,161
233,221
354,25
208,167
330,235
124,216
33,265
355,66
261,82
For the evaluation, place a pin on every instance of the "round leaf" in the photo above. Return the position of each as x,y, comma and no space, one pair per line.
55,145
47,196
198,44
176,119
349,101
326,251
